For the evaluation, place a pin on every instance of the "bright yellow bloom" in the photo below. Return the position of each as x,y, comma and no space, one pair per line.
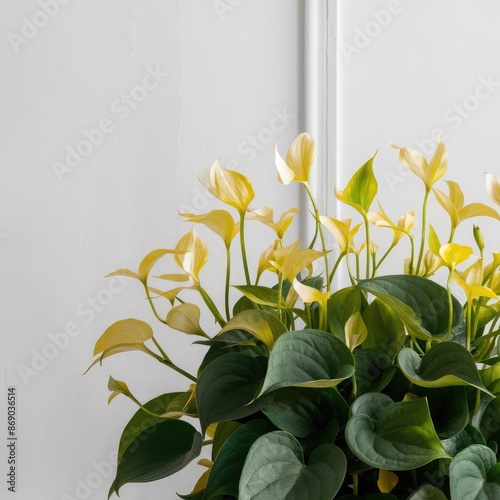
230,187
185,318
361,189
192,254
387,480
471,282
430,172
341,231
454,254
309,294
265,215
291,260
403,226
454,205
220,222
493,187
299,160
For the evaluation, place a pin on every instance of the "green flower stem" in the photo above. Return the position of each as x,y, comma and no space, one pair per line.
228,282
450,304
379,263
336,265
476,407
424,227
280,294
348,263
153,308
357,266
162,352
355,483
309,317
243,247
166,361
210,304
468,332
207,442
452,232
412,254
319,228
367,236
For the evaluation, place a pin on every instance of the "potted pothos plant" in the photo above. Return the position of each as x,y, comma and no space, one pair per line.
387,388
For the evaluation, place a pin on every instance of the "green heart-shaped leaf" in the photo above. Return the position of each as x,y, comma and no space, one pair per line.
444,365
474,474
275,468
404,437
308,358
227,386
300,410
427,492
469,435
226,470
374,370
420,303
157,452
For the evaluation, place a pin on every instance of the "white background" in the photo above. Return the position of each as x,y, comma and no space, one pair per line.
230,73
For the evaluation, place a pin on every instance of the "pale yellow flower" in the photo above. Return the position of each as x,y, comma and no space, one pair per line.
402,227
220,222
192,254
429,172
493,187
230,187
265,215
341,231
454,254
299,160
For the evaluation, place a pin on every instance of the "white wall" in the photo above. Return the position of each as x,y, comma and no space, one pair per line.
412,72
232,73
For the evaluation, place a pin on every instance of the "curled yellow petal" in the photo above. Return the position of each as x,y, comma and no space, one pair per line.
230,187
299,160
387,480
185,318
265,215
191,254
454,254
220,222
309,294
265,259
493,187
430,172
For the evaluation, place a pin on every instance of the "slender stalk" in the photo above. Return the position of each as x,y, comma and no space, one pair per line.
162,352
367,236
243,247
309,317
477,405
207,441
166,361
336,265
412,254
210,304
153,308
450,304
383,257
469,325
348,263
357,266
424,227
228,281
452,233
355,483
280,294
319,229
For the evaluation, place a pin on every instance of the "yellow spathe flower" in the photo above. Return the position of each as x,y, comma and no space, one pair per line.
220,222
192,254
230,187
309,294
265,259
387,480
493,187
265,215
454,254
185,318
341,231
361,188
403,226
471,282
429,172
290,260
299,160
454,205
